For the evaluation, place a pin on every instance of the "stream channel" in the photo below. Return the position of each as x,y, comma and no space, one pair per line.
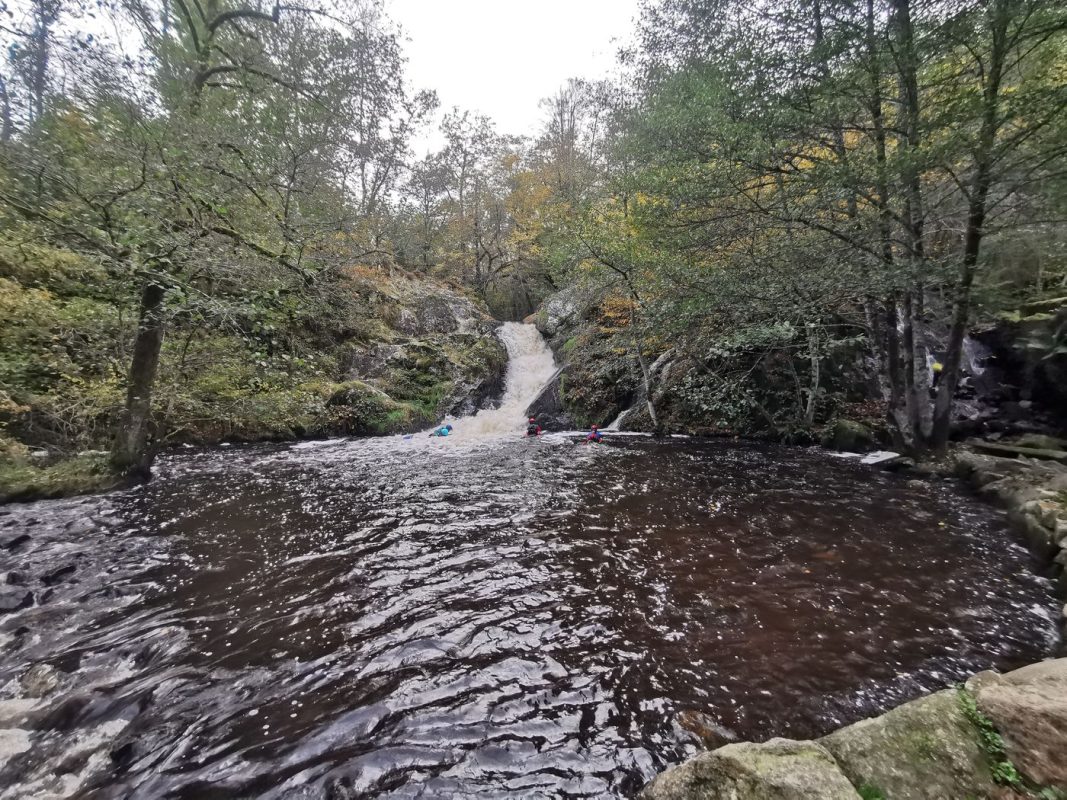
484,615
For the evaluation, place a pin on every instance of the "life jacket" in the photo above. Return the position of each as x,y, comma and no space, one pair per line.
533,429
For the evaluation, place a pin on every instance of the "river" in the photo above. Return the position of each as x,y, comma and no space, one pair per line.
484,615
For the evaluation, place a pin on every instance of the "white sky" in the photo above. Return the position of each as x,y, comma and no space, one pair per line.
500,57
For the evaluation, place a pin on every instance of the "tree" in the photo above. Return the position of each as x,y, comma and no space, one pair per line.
251,136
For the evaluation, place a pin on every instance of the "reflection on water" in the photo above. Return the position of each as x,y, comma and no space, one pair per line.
497,617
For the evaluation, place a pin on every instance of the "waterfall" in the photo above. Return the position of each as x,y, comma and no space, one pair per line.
615,423
530,366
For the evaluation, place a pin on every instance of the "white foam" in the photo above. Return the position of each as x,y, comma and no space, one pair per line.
530,366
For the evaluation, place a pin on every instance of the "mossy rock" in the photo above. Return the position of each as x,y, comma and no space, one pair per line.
356,408
849,436
781,769
923,750
80,474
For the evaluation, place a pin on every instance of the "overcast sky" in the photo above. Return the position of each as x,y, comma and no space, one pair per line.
500,57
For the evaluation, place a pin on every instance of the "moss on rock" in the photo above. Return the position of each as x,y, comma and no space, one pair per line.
21,479
923,750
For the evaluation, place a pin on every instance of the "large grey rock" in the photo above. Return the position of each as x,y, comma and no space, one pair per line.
1028,707
558,311
547,407
850,436
923,750
780,769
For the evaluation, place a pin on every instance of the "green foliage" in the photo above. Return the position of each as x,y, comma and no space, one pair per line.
20,479
870,792
1002,769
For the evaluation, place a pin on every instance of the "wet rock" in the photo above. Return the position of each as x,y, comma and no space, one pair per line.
923,750
15,600
14,542
15,578
1041,442
548,408
849,436
1028,707
999,449
59,574
557,312
704,728
780,769
39,680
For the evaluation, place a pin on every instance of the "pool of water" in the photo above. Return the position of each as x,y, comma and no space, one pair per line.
495,617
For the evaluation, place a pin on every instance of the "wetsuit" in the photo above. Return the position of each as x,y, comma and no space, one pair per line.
594,436
533,429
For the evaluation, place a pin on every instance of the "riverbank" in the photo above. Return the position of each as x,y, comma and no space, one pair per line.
390,352
993,738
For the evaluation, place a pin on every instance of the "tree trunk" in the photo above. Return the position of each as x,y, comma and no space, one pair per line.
7,127
961,308
814,375
897,411
914,357
132,452
998,15
896,405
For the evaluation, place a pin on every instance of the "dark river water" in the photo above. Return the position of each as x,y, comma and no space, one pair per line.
491,618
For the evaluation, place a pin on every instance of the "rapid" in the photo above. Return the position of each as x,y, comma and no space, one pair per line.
483,615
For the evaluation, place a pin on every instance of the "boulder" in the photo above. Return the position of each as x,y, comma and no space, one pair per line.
703,728
923,750
850,436
1011,450
547,407
781,769
557,312
1041,441
52,577
14,542
1028,707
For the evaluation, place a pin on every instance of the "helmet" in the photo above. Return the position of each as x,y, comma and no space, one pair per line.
593,427
533,419
449,426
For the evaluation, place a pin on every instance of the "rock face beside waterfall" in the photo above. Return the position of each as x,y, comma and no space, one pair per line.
599,379
549,408
419,351
1014,375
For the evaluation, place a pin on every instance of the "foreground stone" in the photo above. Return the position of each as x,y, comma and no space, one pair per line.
923,750
1029,709
928,749
781,769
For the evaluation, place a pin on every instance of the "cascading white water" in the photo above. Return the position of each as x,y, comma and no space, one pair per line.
530,366
617,422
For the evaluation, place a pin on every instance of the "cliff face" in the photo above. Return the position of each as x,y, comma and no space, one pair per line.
1014,376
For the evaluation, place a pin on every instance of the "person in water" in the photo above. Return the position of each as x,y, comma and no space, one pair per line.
444,430
594,435
532,428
